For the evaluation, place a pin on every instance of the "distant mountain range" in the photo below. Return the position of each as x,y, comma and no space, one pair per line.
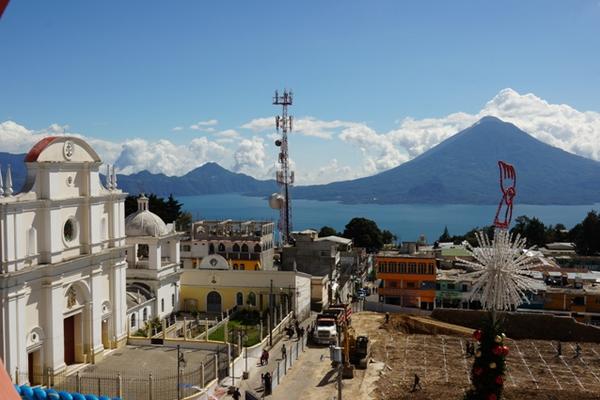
461,170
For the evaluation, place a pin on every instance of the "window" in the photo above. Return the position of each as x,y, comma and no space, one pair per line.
162,305
69,230
257,248
244,248
412,268
239,299
451,286
221,247
186,247
251,299
410,285
421,268
438,286
235,266
392,266
578,301
393,284
103,229
236,248
242,267
173,300
133,320
465,288
402,267
142,251
211,249
145,314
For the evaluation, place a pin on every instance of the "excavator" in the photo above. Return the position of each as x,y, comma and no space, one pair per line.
355,352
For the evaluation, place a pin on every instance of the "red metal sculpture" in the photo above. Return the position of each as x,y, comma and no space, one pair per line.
508,183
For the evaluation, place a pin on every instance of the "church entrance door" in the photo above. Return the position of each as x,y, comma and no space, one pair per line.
69,334
34,368
213,302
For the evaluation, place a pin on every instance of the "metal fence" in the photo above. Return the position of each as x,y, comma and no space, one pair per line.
141,385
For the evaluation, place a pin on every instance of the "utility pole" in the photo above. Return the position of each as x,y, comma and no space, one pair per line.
271,314
284,177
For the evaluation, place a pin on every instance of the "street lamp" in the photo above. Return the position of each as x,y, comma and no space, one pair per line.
271,314
181,363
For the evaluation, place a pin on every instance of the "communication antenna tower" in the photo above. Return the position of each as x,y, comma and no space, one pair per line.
284,177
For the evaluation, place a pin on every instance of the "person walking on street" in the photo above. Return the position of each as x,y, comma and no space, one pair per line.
264,357
283,351
577,350
417,383
236,394
266,378
387,317
559,349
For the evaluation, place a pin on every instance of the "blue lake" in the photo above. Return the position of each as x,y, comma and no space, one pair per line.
407,221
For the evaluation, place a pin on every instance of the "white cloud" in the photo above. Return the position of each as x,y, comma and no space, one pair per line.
204,126
559,125
167,157
250,157
177,128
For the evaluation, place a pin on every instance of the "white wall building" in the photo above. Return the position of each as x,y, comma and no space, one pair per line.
62,261
154,266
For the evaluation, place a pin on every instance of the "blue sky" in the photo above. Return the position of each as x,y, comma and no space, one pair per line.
120,70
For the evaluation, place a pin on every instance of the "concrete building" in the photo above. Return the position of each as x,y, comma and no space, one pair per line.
407,281
153,266
215,287
246,245
63,268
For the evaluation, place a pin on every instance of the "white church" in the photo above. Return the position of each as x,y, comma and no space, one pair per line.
64,279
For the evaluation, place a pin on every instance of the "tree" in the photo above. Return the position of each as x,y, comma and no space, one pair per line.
388,237
365,233
531,228
445,236
168,210
586,235
327,231
184,221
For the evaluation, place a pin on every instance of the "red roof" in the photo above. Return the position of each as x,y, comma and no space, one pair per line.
38,148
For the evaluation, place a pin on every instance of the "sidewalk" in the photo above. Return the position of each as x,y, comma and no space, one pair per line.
276,366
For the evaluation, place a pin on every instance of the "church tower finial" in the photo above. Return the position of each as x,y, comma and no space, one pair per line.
8,189
114,177
108,178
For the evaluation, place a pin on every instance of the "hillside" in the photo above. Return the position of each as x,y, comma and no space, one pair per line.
463,170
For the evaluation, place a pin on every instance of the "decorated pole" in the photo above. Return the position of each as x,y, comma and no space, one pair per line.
501,282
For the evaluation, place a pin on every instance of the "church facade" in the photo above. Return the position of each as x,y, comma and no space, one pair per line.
62,261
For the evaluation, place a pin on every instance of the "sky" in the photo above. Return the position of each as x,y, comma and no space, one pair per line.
168,86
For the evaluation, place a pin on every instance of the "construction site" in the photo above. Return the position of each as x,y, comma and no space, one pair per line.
437,353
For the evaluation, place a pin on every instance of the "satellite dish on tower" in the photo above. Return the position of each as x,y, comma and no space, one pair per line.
276,201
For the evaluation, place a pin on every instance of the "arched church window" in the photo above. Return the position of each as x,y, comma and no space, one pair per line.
69,230
244,248
162,305
257,248
239,299
211,249
251,299
145,314
133,320
221,247
236,248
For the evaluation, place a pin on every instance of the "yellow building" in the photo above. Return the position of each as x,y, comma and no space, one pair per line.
216,287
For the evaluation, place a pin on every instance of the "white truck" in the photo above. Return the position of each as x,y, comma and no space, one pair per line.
326,330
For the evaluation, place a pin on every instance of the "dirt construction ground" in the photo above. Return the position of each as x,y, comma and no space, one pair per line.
405,347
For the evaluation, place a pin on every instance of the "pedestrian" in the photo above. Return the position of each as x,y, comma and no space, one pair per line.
559,349
266,378
577,350
387,317
297,324
264,357
236,394
283,351
417,383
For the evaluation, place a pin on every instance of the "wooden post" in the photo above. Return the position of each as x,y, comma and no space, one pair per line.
226,333
217,367
164,329
184,329
206,328
150,388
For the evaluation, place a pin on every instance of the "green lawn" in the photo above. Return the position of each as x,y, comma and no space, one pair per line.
252,333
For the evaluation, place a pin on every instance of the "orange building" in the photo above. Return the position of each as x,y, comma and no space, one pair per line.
406,280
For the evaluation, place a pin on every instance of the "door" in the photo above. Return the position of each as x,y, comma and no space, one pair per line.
105,341
69,334
213,302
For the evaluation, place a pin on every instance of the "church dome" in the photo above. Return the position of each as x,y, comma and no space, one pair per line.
143,222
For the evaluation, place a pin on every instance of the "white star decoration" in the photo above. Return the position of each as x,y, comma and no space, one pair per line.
501,270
